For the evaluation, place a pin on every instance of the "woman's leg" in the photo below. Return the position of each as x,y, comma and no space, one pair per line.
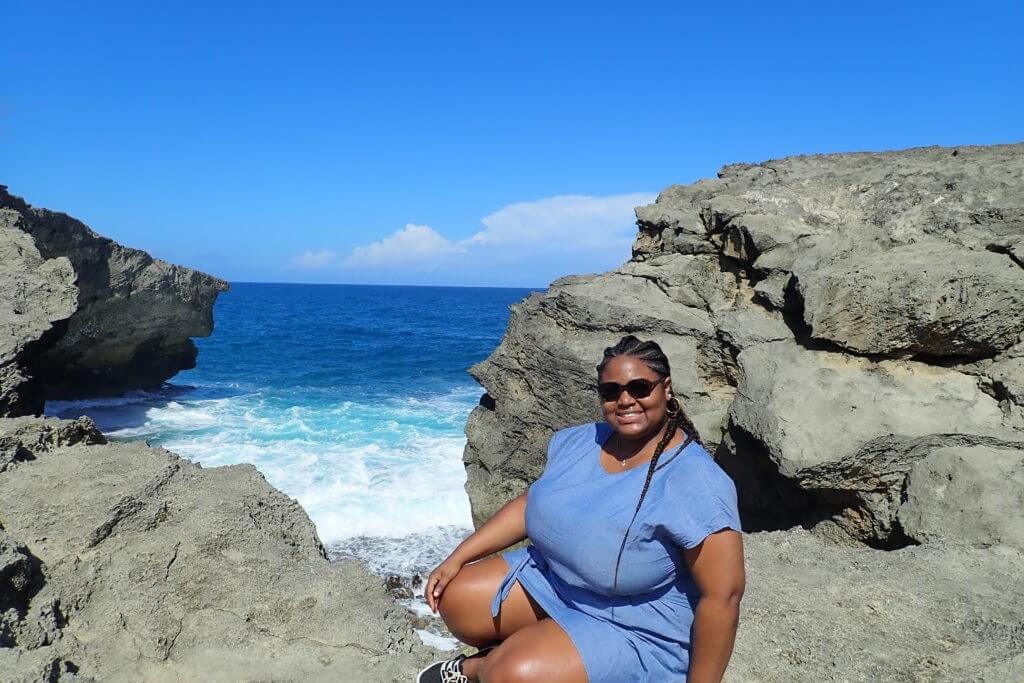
539,652
465,604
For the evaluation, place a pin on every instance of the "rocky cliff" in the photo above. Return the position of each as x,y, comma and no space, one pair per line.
123,562
81,315
846,332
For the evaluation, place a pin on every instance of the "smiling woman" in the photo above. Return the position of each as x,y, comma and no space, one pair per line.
629,578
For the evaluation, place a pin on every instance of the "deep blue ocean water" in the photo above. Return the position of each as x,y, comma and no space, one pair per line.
350,398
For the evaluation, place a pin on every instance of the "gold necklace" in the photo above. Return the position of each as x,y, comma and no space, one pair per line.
615,435
623,461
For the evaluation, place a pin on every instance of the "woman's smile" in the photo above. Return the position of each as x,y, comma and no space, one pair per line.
633,418
630,417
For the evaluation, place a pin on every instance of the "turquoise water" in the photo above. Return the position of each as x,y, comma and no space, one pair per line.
350,398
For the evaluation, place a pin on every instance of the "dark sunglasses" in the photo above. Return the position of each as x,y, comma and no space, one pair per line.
637,388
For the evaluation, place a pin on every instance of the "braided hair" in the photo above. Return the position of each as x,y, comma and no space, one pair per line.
651,355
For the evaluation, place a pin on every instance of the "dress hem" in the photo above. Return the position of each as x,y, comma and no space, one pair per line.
515,574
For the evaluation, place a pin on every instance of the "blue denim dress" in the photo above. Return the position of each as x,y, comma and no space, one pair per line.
633,625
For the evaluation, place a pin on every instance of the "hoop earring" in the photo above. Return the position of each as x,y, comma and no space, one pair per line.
668,405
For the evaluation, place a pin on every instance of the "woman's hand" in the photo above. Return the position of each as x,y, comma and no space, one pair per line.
507,526
438,579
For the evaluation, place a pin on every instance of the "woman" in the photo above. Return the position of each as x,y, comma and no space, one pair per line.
636,568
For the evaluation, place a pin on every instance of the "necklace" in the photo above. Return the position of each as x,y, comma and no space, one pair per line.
622,461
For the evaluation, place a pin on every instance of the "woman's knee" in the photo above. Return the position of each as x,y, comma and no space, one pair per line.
499,668
462,609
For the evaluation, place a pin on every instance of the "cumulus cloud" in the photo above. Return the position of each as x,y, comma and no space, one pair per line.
567,220
313,259
413,245
525,242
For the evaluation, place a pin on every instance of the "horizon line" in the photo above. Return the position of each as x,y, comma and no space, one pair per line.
365,284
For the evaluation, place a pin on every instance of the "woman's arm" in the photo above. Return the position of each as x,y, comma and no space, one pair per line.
717,568
507,526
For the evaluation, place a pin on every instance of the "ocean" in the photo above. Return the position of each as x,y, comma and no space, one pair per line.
352,399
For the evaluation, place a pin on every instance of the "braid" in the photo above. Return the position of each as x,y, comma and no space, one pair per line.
687,424
653,357
670,430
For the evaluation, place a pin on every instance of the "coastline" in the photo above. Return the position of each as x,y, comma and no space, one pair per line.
874,445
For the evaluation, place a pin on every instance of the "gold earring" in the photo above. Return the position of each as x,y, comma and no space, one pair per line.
668,405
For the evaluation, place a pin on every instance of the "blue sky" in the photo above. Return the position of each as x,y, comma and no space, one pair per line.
462,144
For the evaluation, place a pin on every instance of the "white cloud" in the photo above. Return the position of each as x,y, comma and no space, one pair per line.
313,259
577,221
415,245
526,242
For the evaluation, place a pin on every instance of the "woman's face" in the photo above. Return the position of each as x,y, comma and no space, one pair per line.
634,418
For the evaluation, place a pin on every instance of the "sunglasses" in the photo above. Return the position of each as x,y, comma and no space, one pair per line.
637,388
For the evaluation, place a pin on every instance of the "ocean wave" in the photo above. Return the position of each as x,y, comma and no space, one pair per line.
388,469
408,555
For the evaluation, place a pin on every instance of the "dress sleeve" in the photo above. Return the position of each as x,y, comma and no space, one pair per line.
555,448
707,504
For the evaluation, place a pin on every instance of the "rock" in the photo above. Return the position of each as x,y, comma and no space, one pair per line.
156,568
672,224
771,291
19,575
814,611
848,430
972,496
1011,246
399,587
921,298
1008,377
36,293
857,317
21,438
85,316
747,325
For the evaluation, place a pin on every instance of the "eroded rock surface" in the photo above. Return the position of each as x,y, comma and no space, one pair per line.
81,315
847,333
966,495
35,294
814,611
123,562
923,298
830,321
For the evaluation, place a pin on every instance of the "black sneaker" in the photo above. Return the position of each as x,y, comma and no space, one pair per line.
449,671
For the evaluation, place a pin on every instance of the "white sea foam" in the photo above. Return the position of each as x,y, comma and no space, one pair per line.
439,642
382,481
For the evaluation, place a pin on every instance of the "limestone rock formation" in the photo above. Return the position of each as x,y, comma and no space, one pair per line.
81,315
972,492
35,294
123,562
847,333
814,611
830,320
